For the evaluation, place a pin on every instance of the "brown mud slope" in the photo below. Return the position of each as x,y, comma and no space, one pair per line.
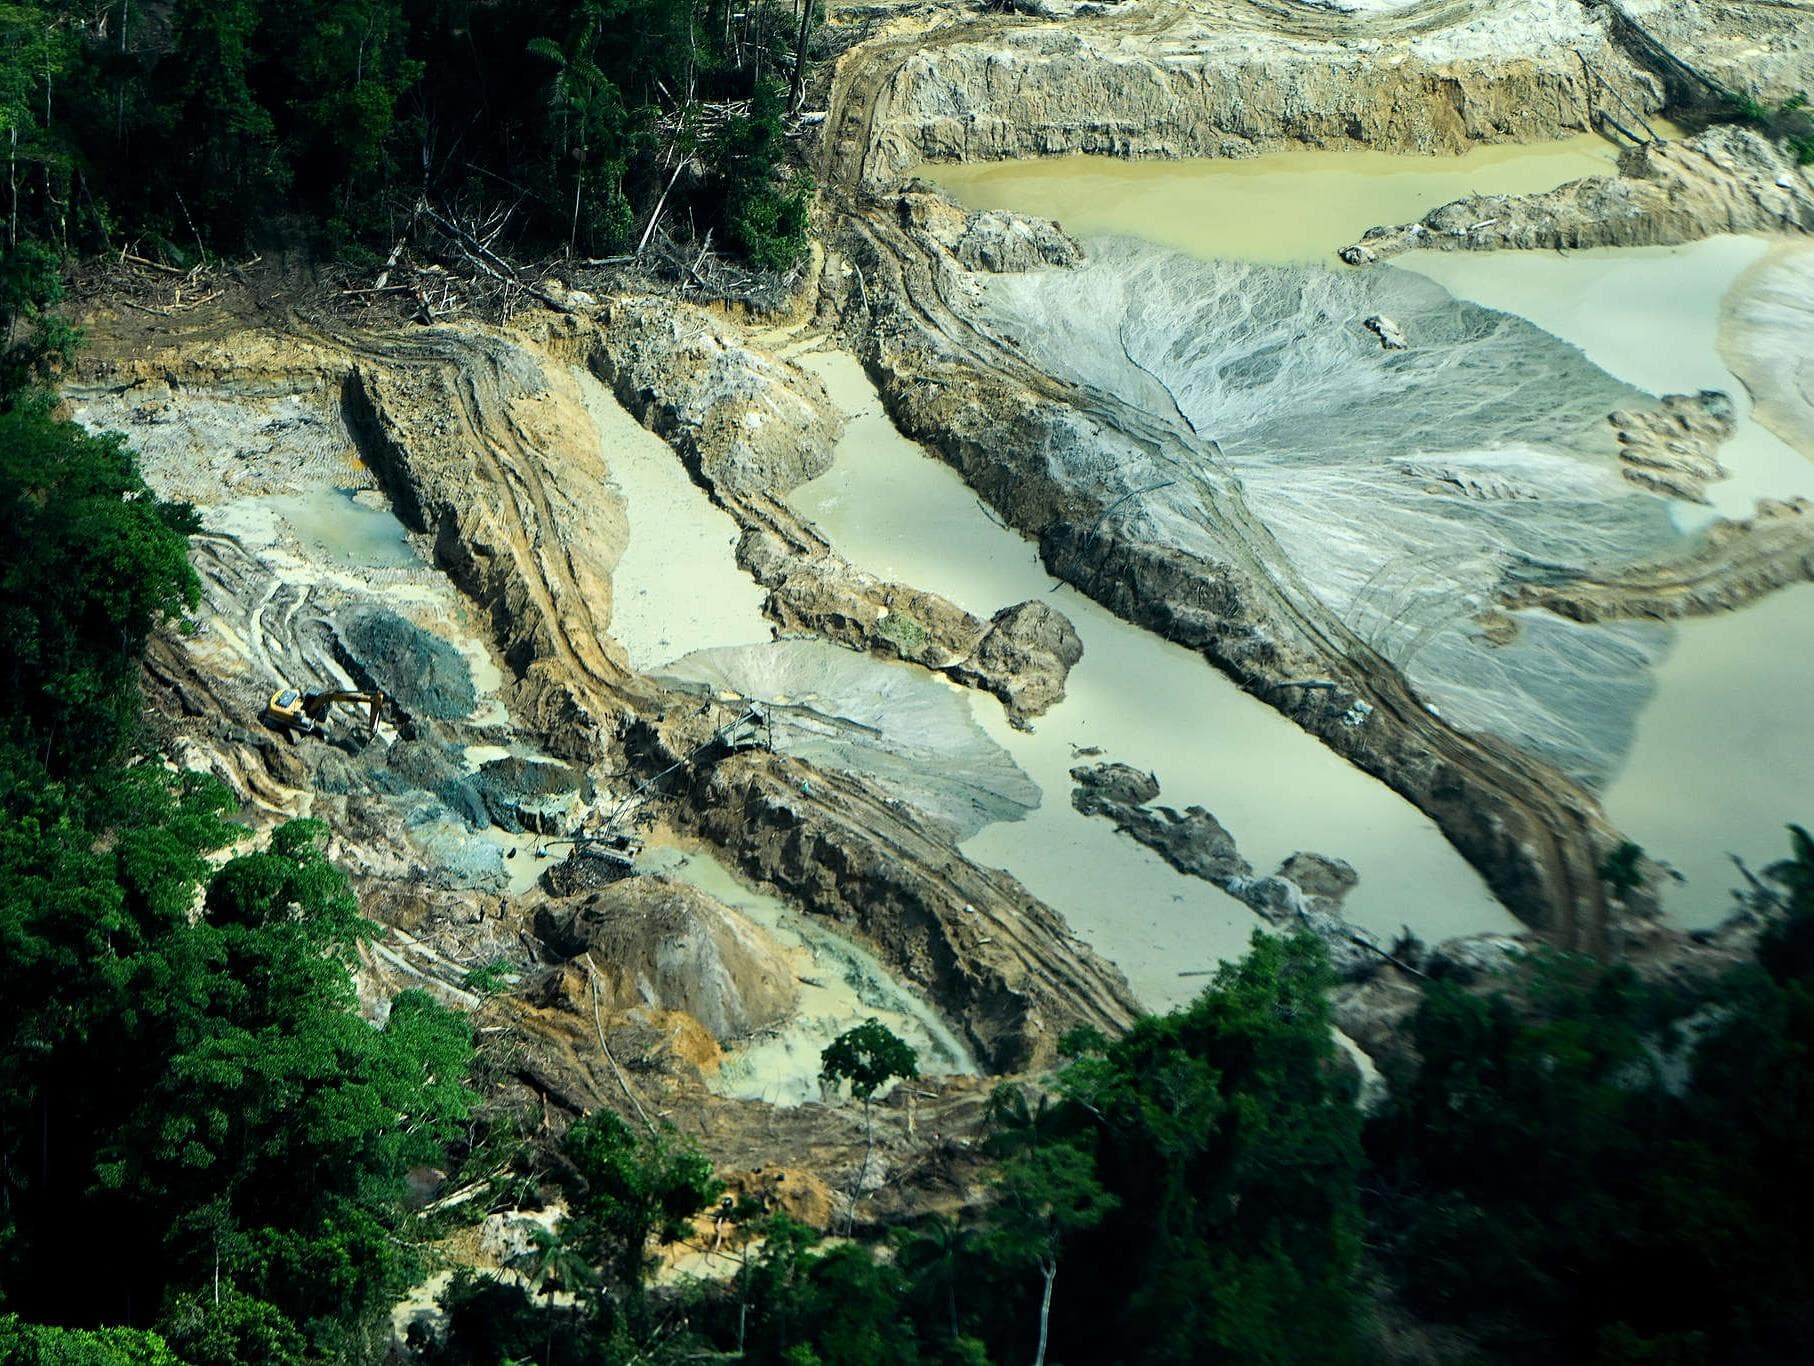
1174,78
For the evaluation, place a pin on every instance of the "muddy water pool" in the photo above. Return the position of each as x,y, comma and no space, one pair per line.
894,509
1722,753
1257,209
677,588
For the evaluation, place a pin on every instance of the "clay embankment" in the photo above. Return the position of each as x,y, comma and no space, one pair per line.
750,428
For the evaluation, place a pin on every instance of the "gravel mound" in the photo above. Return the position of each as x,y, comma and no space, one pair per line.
425,674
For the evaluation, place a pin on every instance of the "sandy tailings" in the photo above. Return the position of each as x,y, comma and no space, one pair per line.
1259,464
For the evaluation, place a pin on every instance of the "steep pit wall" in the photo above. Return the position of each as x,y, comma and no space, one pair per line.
1225,78
1002,964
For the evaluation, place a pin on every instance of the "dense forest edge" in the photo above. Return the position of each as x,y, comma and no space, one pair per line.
209,1152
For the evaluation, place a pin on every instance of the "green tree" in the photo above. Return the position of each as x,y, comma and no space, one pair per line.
337,93
32,1344
107,563
1228,1133
866,1059
934,1257
216,131
764,211
625,1189
1046,1194
231,1330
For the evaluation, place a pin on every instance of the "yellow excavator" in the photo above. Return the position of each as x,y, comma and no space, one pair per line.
305,713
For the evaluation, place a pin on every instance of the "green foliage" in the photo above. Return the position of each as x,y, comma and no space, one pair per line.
106,563
1789,120
236,1330
1589,1168
867,1058
765,212
834,1305
1228,1133
31,1344
267,1128
205,126
1619,869
625,1188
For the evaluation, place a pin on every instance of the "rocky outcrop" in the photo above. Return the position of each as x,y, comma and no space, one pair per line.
1735,563
1194,842
1003,965
1671,449
1022,655
1304,892
993,241
1728,179
743,421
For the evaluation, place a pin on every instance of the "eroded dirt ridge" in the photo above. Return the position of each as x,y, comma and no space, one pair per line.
487,459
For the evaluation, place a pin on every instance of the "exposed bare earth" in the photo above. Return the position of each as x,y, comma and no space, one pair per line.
478,438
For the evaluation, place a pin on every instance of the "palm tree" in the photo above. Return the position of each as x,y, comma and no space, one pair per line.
553,1263
932,1255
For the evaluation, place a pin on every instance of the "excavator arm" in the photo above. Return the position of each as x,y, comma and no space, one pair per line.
316,704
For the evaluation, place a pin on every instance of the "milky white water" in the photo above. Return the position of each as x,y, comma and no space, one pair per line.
895,510
1723,756
678,587
1280,207
1649,316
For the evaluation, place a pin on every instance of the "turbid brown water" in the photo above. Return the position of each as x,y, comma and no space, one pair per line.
1280,207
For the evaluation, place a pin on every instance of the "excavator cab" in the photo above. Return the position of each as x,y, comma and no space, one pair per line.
285,712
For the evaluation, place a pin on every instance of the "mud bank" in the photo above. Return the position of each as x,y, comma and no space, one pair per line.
1012,429
1725,703
483,445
